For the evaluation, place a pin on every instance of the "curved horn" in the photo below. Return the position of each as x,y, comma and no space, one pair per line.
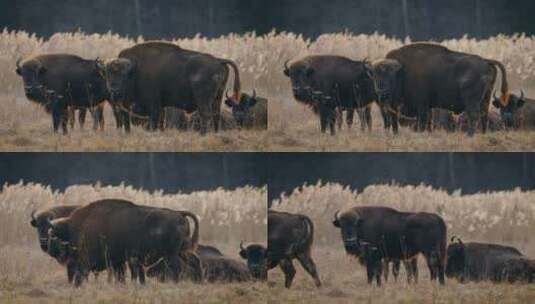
226,94
336,215
33,214
254,93
494,95
522,94
18,62
286,65
241,245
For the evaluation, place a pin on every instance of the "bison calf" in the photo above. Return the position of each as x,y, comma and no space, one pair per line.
251,112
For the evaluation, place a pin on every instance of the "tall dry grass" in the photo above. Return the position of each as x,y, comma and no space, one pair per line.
260,60
29,275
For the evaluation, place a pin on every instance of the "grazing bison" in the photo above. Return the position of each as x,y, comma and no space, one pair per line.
290,236
60,81
433,76
109,233
482,261
397,235
330,83
154,75
40,222
251,112
519,112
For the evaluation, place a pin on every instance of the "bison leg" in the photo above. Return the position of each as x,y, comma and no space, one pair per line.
126,121
71,114
71,271
194,263
411,267
59,110
386,269
366,118
289,272
374,271
339,118
81,117
395,269
308,264
350,117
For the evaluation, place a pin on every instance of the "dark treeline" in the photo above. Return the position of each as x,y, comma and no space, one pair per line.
171,172
470,172
421,19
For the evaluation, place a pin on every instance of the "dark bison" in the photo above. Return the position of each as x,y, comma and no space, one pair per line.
519,112
256,257
40,222
482,261
332,83
110,233
397,235
290,236
60,81
433,76
251,112
153,75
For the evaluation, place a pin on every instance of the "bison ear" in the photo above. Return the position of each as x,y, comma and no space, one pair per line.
33,223
287,72
251,102
520,103
19,71
243,254
336,223
497,104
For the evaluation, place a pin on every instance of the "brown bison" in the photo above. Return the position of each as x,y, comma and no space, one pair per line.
60,81
483,261
40,222
290,236
396,235
109,233
432,76
256,257
153,75
519,112
251,112
331,83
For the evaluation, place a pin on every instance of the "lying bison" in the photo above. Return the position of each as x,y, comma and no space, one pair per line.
519,112
60,81
251,112
329,83
290,236
396,235
432,76
110,233
482,261
154,75
40,222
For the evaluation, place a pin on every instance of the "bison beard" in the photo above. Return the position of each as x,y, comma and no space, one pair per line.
109,233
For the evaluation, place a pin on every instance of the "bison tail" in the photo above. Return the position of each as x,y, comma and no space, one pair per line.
309,237
505,85
195,235
237,82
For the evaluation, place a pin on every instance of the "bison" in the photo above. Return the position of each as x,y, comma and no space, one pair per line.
60,81
251,112
109,233
432,76
154,75
290,236
397,235
256,257
331,83
519,112
40,222
483,261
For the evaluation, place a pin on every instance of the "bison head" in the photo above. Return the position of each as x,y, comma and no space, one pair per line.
60,250
32,72
455,260
510,112
119,74
300,74
41,223
387,80
256,256
349,223
240,111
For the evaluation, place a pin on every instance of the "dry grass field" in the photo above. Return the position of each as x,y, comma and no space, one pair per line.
502,217
27,275
23,127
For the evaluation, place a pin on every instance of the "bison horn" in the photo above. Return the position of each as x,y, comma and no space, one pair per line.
494,95
286,65
18,62
241,245
522,94
458,240
33,214
226,94
254,93
336,215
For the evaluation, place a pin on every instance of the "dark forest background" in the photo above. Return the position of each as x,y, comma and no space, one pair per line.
187,172
420,19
